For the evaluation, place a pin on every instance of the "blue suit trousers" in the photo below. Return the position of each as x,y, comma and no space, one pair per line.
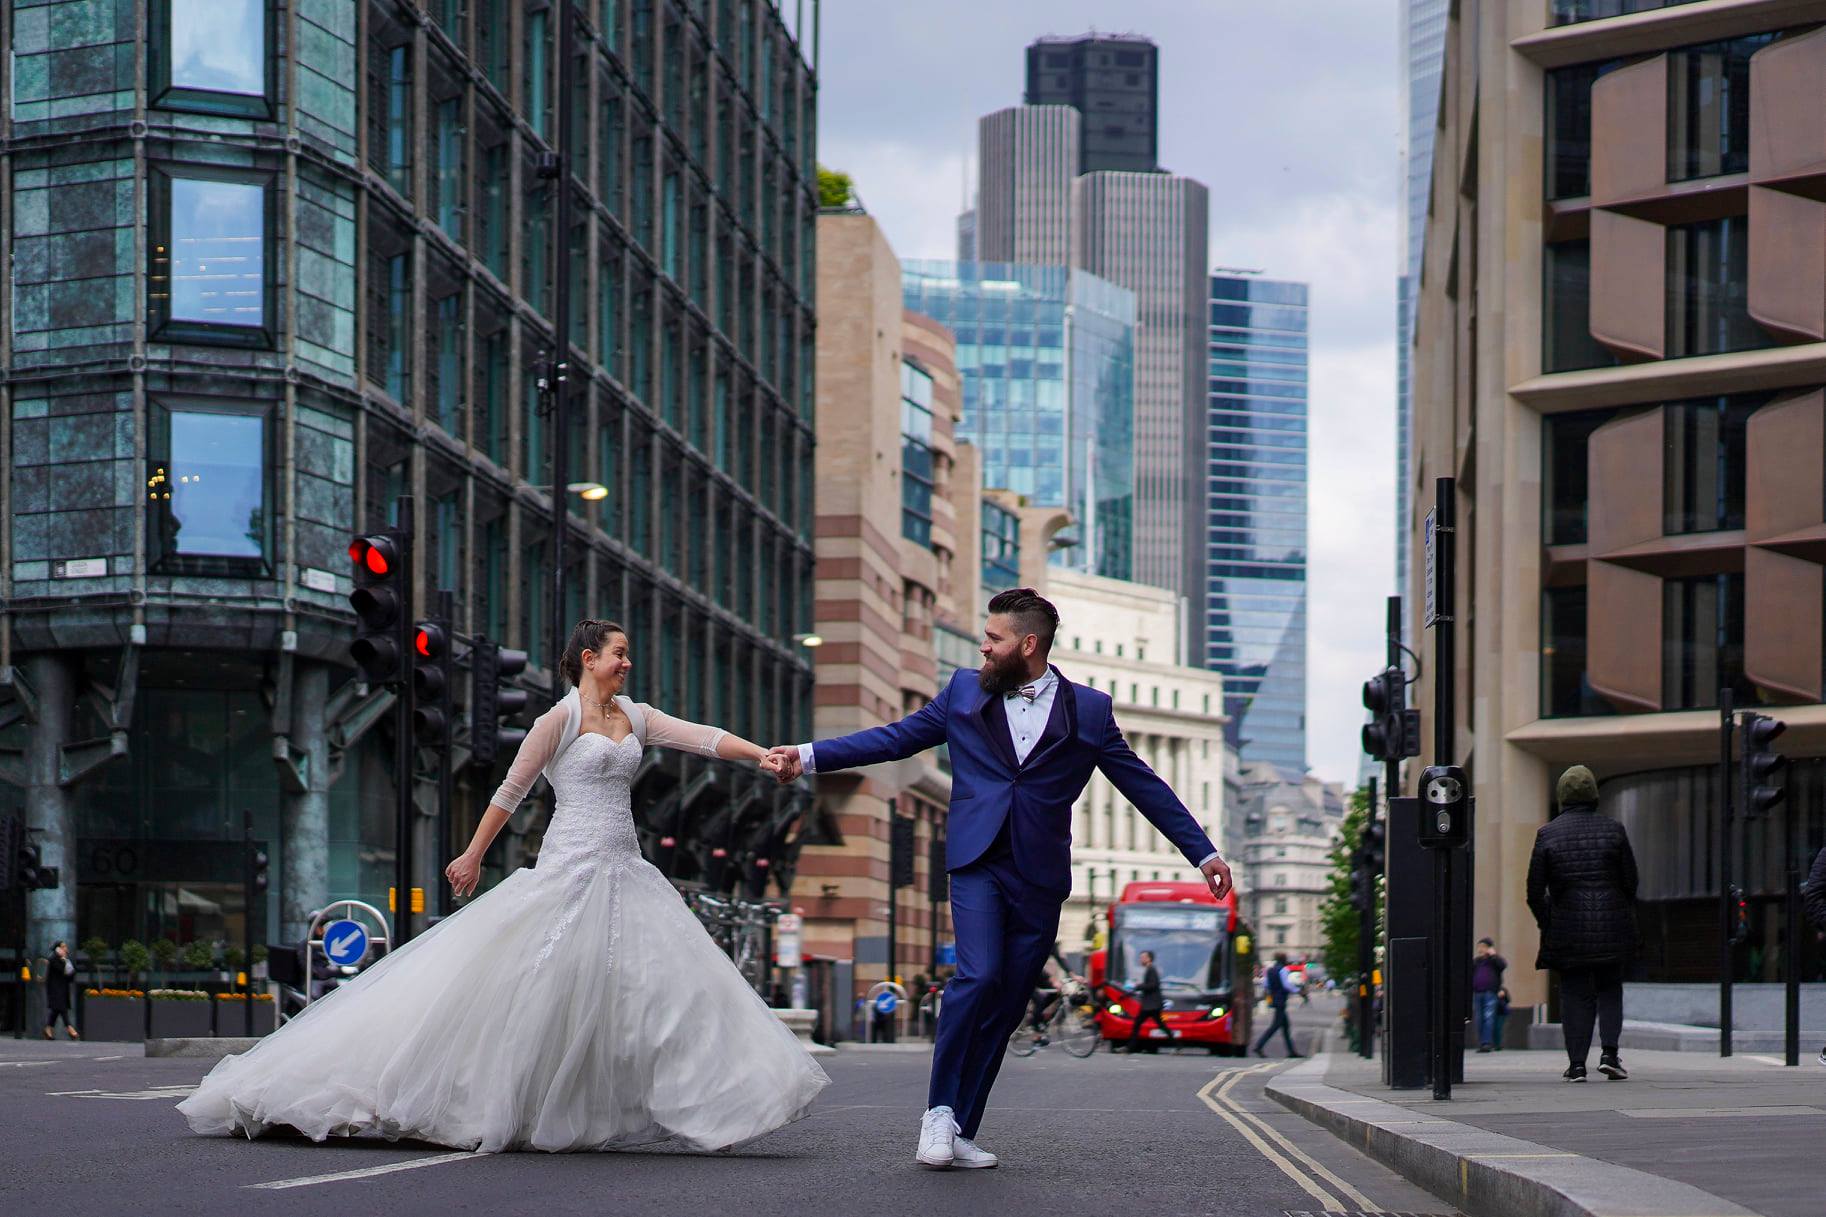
1006,927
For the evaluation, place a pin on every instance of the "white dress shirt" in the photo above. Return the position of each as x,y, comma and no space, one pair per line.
1026,722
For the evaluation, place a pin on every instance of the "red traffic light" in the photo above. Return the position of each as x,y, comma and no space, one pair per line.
428,641
373,556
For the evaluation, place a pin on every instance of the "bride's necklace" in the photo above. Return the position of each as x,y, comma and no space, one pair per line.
604,706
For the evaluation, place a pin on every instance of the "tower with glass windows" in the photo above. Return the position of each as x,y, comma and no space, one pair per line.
275,267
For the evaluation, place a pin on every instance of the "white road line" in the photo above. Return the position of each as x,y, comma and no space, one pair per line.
27,1064
367,1172
1364,1203
1326,1199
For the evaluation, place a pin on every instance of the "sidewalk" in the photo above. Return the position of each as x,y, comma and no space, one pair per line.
1686,1136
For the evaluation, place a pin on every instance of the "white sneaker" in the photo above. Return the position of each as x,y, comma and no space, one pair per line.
966,1153
936,1133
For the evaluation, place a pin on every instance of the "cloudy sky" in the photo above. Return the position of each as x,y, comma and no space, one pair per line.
1290,113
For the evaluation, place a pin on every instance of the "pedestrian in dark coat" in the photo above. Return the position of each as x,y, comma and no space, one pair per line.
59,991
1582,892
1152,1004
1813,892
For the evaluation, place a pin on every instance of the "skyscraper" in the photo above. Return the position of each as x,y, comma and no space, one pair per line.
1114,82
1148,232
1046,359
1423,41
1255,513
1027,157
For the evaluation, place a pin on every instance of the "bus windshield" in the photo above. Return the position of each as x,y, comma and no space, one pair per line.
1190,946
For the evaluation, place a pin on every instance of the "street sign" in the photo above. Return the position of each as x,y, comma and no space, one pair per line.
947,954
1432,613
345,943
886,1002
787,929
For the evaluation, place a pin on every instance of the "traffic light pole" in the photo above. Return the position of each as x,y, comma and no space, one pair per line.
1791,957
403,745
1366,947
1445,665
247,919
1725,911
561,331
446,611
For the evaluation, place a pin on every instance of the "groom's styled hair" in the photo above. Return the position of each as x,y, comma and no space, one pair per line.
1031,612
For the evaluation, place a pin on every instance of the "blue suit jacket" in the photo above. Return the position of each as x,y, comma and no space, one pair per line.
989,786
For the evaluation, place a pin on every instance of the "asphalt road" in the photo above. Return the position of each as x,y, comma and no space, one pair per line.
89,1129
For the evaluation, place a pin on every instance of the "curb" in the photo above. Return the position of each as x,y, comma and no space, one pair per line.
207,1047
1487,1174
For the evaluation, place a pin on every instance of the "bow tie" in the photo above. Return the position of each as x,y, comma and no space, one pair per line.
1027,691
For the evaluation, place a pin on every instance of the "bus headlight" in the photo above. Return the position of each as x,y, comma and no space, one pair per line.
1217,1012
1115,1008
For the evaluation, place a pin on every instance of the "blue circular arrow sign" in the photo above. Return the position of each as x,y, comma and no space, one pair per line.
344,943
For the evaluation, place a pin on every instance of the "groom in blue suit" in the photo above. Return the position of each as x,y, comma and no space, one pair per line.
1023,743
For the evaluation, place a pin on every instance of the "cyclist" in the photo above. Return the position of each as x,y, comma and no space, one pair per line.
1047,993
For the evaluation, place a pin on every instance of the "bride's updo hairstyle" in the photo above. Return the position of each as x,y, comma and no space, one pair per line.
586,636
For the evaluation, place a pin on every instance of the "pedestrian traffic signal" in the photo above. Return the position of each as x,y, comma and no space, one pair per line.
1374,844
34,875
381,597
431,672
1445,807
258,861
1740,916
1763,765
1393,731
490,700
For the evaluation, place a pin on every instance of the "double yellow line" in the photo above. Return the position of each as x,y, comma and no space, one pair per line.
1293,1162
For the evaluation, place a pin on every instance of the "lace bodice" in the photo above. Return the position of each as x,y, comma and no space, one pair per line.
592,815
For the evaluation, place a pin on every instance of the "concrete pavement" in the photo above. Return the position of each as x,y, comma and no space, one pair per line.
1686,1136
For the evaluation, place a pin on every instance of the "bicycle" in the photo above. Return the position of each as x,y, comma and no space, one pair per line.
1071,1022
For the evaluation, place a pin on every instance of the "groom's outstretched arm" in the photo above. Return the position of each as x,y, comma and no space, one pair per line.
918,731
1141,786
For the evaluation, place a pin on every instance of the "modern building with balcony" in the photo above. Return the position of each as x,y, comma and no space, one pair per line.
1621,356
274,268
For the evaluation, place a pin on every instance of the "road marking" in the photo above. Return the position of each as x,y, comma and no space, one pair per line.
366,1172
1714,1113
29,1064
1363,1202
1326,1199
121,1057
153,1092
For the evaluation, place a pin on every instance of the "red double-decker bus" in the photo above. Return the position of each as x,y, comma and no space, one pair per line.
1201,951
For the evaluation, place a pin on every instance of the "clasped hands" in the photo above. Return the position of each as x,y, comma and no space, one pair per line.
782,761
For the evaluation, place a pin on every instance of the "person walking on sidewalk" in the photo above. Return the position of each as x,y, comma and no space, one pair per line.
59,991
1486,982
1274,982
1582,892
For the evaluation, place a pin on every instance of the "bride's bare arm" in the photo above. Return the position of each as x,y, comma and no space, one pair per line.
536,752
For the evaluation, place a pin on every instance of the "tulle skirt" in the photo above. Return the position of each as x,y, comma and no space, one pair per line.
568,1011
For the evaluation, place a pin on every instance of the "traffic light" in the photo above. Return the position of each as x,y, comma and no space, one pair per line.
490,701
258,860
33,873
1374,844
431,671
1763,765
381,599
1362,881
1393,731
1740,916
11,834
1445,807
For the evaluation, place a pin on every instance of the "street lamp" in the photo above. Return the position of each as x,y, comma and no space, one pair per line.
812,641
588,491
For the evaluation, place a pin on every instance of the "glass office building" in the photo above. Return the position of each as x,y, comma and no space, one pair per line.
1255,620
1046,357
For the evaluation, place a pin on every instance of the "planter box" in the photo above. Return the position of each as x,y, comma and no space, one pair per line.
180,1019
231,1018
113,1019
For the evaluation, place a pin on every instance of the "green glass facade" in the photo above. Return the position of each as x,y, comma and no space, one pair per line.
292,263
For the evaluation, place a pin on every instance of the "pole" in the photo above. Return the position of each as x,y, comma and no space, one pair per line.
1366,947
893,909
1791,955
446,612
247,919
1445,664
561,327
1725,724
402,744
1391,783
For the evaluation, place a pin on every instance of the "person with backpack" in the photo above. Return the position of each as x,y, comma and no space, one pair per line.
1274,983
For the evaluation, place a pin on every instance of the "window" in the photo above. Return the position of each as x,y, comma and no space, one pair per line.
1565,692
1708,289
1702,641
1566,12
1119,650
1708,107
491,372
492,185
1704,463
536,240
208,490
212,56
1002,548
1280,904
389,62
916,465
389,298
1565,460
609,464
445,177
444,360
208,281
1568,127
1566,341
608,306
536,62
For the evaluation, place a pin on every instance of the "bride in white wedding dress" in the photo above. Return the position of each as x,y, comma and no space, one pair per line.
579,1005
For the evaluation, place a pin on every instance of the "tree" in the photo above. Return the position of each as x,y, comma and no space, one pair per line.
96,948
135,958
199,955
1338,916
835,189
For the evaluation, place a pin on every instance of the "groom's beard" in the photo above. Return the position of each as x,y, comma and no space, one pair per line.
1001,679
